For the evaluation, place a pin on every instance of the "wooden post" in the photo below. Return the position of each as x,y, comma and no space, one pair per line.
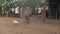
6,13
21,12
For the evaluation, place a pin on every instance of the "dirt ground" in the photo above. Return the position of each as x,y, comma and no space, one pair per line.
37,26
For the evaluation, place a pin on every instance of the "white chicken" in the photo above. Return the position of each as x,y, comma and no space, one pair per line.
16,22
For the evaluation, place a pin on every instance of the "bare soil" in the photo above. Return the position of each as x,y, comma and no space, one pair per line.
37,26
